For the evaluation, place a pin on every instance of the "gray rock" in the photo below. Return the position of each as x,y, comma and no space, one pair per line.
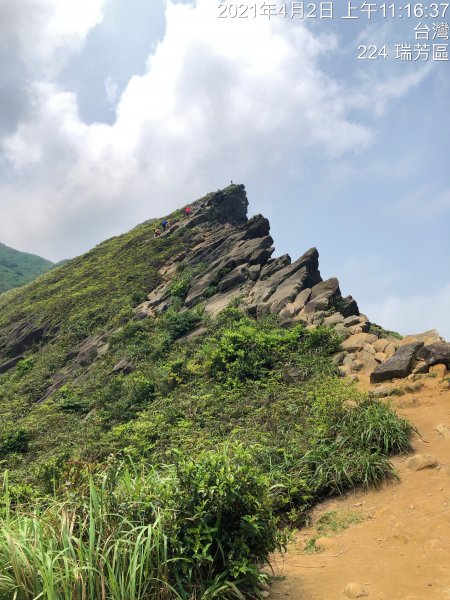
254,272
257,227
352,320
318,317
318,304
357,342
275,265
333,319
328,288
123,366
260,257
288,290
349,307
10,364
399,365
342,331
421,461
233,279
382,392
433,354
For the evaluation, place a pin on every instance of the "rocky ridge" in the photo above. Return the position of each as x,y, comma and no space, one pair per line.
230,259
239,265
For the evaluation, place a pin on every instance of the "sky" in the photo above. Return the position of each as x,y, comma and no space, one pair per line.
116,111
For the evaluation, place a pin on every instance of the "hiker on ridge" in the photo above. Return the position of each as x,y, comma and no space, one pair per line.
188,211
164,224
157,232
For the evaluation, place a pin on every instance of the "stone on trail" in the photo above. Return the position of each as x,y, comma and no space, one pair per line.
355,590
398,366
443,430
421,461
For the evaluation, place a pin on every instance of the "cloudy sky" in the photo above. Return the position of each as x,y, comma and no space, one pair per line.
116,111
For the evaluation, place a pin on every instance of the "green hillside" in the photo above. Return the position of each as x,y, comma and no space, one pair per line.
17,268
203,431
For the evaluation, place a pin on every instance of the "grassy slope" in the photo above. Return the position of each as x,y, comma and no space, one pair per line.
17,268
307,436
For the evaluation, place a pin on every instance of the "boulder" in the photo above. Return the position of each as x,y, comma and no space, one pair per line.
318,304
362,327
380,357
338,358
428,337
421,461
436,353
351,320
349,307
443,430
369,363
342,331
390,349
260,256
258,226
318,317
397,366
333,320
357,342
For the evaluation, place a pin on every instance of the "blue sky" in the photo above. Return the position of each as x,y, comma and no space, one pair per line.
113,112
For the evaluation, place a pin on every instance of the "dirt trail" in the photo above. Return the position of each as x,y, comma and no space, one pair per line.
401,549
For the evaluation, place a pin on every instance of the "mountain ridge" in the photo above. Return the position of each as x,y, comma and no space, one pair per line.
18,268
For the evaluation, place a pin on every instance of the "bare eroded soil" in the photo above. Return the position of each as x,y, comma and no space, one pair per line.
401,548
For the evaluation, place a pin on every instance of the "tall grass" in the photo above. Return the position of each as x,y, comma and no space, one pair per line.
198,528
82,552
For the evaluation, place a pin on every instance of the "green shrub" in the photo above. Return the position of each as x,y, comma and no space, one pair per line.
177,324
14,442
224,520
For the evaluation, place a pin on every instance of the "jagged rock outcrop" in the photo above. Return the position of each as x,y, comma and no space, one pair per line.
235,256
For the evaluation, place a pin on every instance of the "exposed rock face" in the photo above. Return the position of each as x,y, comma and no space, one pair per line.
10,364
237,258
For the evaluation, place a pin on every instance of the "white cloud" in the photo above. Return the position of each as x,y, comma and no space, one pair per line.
220,99
414,314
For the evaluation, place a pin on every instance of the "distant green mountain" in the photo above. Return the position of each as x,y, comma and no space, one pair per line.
17,268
